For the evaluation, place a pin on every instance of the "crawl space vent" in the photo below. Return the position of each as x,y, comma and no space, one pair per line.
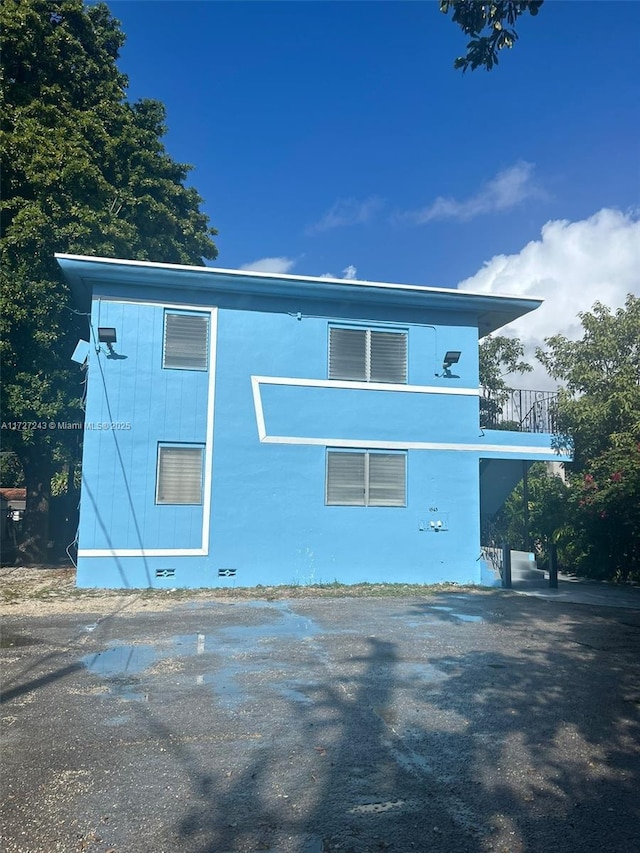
165,573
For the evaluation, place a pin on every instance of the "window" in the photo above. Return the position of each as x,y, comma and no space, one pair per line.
179,475
186,341
364,478
366,355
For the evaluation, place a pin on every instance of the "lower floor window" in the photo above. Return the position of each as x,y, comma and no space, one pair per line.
366,478
179,478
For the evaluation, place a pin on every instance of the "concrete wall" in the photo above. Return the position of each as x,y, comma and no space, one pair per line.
265,413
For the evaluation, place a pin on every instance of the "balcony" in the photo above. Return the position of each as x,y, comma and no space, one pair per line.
519,410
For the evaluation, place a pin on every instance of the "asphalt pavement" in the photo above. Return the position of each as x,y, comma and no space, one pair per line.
459,723
575,590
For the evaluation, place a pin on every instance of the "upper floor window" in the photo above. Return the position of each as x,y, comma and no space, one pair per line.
365,355
186,341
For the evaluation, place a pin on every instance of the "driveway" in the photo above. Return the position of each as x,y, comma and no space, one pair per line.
468,722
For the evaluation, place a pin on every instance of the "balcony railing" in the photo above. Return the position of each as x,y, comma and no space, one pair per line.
524,411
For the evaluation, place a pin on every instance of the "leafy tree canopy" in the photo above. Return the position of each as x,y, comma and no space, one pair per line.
84,171
500,357
490,25
601,373
593,515
599,415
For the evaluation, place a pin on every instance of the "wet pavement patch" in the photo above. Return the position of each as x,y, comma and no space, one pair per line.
286,624
229,658
220,658
463,617
134,672
121,660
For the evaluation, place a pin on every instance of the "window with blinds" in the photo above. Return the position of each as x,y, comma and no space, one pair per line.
179,475
186,341
366,355
365,478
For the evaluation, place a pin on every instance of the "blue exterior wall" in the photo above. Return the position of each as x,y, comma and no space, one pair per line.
146,405
270,520
264,512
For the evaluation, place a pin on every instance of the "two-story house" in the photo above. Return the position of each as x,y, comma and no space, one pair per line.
254,428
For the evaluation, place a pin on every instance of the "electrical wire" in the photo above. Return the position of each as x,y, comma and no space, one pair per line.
70,545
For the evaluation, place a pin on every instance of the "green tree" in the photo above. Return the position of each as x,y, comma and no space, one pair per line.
548,506
11,473
599,417
499,357
490,25
84,171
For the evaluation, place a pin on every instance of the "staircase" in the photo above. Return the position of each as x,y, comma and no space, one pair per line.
525,573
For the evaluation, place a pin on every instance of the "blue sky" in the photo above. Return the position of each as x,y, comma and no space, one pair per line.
333,137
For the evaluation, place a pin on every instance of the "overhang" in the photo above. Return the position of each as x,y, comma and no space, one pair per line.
84,273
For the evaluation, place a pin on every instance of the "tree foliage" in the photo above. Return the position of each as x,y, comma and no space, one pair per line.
593,514
599,417
601,375
84,171
490,25
547,512
499,357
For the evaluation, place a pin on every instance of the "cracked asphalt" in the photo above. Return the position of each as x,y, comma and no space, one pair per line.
461,723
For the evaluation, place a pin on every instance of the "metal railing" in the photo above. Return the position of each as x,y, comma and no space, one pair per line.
491,540
522,410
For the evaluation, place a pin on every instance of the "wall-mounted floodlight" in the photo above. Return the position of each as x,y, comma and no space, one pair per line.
451,357
107,335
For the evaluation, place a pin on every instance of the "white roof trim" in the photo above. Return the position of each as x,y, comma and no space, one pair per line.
418,288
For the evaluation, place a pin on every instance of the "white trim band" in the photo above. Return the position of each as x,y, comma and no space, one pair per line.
257,381
413,445
142,552
363,386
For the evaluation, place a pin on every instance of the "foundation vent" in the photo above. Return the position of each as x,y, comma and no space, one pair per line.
165,573
226,573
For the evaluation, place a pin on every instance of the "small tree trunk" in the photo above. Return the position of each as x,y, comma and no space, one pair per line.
38,470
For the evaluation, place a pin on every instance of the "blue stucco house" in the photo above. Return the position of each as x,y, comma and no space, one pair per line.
248,428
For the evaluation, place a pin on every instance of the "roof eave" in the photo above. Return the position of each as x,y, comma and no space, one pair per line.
493,310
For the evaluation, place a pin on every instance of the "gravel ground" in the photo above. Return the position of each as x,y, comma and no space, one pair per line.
45,591
449,723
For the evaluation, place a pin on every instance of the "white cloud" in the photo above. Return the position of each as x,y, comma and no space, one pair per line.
506,190
277,265
347,211
570,267
349,272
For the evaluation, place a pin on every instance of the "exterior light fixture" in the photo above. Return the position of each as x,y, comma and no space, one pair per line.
107,335
451,357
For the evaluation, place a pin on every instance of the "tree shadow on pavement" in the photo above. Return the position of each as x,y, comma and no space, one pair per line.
528,748
465,724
